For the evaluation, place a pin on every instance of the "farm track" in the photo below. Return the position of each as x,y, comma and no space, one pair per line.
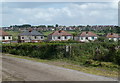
16,69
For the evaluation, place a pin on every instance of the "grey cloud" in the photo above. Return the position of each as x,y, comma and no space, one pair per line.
61,13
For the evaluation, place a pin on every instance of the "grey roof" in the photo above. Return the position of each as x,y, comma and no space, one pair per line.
30,33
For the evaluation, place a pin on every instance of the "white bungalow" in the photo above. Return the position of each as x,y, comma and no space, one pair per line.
60,36
5,37
87,36
113,36
30,36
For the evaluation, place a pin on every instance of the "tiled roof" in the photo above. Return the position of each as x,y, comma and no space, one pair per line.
61,33
30,33
112,35
3,33
88,34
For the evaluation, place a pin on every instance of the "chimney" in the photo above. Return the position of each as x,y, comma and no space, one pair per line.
59,31
30,30
87,32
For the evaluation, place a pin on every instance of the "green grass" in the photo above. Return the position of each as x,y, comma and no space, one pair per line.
14,34
72,32
46,33
103,71
100,33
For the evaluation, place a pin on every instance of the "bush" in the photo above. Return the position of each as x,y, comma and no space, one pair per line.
79,52
102,39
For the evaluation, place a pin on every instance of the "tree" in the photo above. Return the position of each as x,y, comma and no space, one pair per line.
26,25
117,29
42,26
56,25
102,39
50,26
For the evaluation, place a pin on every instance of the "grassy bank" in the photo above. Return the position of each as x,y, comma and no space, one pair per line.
103,71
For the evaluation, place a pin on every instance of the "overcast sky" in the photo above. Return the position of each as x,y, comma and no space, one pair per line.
62,13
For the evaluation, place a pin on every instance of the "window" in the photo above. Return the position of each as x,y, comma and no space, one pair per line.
35,37
22,37
65,37
81,38
3,37
9,37
59,37
41,37
86,37
92,37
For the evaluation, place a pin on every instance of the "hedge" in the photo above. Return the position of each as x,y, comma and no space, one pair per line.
80,52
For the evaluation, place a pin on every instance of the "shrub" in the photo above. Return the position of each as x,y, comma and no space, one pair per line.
80,52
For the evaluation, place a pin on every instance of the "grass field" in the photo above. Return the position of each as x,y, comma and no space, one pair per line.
14,34
46,33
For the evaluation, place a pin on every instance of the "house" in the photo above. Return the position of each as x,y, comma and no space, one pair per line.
113,36
87,36
30,36
60,35
5,37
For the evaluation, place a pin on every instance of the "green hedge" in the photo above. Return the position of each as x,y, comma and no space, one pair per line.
80,52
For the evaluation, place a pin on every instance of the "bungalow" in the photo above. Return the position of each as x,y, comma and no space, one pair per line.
30,36
5,37
87,36
60,35
113,36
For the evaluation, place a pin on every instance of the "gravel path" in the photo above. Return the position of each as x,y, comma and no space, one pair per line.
17,69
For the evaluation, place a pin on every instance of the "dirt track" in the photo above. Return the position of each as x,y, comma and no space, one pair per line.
16,69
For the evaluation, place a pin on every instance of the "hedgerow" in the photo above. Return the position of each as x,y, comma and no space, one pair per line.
84,53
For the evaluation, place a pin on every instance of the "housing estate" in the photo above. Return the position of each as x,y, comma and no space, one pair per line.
30,36
5,37
60,35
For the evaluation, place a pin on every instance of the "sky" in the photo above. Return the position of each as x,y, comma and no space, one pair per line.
61,13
